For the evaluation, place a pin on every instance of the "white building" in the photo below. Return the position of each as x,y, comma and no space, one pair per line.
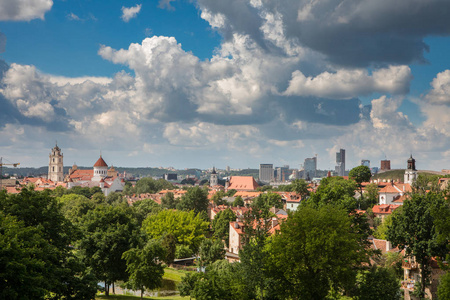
56,166
107,179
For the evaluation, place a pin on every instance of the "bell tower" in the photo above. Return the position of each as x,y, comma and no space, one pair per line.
410,172
56,165
213,181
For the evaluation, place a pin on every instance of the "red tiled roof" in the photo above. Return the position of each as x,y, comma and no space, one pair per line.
384,208
100,163
82,174
242,183
246,194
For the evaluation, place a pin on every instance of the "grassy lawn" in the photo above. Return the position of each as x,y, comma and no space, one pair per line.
169,273
124,297
173,274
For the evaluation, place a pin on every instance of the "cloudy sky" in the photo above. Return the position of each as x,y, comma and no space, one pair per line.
241,82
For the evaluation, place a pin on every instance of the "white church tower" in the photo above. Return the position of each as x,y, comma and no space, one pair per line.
410,172
213,181
56,166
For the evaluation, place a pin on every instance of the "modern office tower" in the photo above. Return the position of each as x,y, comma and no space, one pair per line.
340,162
282,174
310,167
266,172
365,162
385,165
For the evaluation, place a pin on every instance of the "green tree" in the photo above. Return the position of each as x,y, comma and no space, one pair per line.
360,174
59,191
210,251
238,201
336,191
315,252
168,201
34,249
425,183
109,231
444,287
144,208
221,224
74,206
84,191
217,198
195,199
413,229
377,283
300,186
144,267
230,193
371,197
266,201
23,260
381,231
183,251
169,243
187,227
98,198
115,198
222,280
146,185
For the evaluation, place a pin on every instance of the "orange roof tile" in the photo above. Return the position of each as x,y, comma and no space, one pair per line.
100,163
384,209
242,183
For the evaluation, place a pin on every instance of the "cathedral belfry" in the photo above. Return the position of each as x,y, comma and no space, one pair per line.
56,165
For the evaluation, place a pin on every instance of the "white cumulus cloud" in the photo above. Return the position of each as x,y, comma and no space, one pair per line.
129,13
24,10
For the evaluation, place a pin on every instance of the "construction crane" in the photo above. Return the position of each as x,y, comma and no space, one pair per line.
1,170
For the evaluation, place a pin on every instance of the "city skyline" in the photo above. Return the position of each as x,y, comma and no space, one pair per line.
199,83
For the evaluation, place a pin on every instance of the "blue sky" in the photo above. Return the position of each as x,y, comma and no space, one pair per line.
202,83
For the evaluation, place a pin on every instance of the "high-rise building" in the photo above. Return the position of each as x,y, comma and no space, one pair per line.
282,173
266,172
310,167
340,162
56,166
385,165
365,162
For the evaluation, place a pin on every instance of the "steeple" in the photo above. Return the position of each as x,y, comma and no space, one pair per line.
213,181
56,165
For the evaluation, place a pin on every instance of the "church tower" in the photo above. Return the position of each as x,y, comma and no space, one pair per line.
410,172
213,181
100,170
56,166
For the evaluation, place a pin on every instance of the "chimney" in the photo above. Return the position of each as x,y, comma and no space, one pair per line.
388,246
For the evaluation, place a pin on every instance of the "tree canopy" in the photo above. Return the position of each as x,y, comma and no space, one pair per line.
144,266
413,229
188,228
195,199
314,252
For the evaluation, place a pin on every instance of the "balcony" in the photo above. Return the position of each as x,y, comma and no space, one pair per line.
411,265
408,284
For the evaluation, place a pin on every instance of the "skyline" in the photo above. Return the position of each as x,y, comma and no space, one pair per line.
201,83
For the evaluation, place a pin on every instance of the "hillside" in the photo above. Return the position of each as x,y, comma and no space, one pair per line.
397,174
